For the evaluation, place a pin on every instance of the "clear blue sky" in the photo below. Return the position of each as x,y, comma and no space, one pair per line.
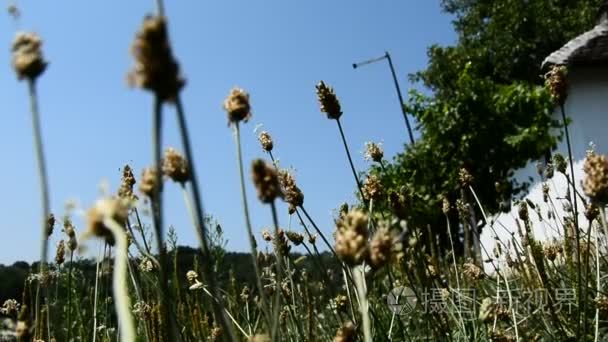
277,50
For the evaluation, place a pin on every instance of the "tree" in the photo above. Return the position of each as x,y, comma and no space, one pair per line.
487,111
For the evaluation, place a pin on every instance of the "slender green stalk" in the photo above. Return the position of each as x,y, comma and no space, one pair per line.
157,218
44,189
120,286
95,293
279,270
350,159
201,228
576,228
69,323
252,243
363,303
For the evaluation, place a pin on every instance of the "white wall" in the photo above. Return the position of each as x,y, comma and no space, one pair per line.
587,106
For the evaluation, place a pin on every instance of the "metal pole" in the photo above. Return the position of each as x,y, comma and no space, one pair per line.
407,121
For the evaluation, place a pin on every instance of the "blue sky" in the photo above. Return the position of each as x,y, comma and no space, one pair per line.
93,123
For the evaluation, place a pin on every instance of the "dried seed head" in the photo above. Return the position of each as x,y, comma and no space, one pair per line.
341,303
295,237
552,250
592,212
126,185
373,151
192,277
382,246
50,225
266,181
560,163
245,294
293,194
10,307
148,182
60,253
555,82
155,67
216,334
346,333
351,237
175,166
465,178
68,227
266,235
28,61
445,205
400,202
237,105
312,238
595,184
601,302
115,208
472,271
463,209
523,211
280,243
266,141
328,101
146,265
372,188
549,170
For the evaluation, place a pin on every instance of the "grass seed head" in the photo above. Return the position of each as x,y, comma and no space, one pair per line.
346,333
556,83
126,184
595,183
60,253
50,225
237,105
28,61
372,188
266,181
148,183
373,151
115,208
155,67
328,101
293,195
351,237
175,166
266,141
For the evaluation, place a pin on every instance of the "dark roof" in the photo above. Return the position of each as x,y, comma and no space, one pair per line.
590,48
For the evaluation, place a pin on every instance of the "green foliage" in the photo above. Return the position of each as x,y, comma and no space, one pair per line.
487,111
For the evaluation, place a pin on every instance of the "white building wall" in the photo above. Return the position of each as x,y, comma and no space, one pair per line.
587,106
